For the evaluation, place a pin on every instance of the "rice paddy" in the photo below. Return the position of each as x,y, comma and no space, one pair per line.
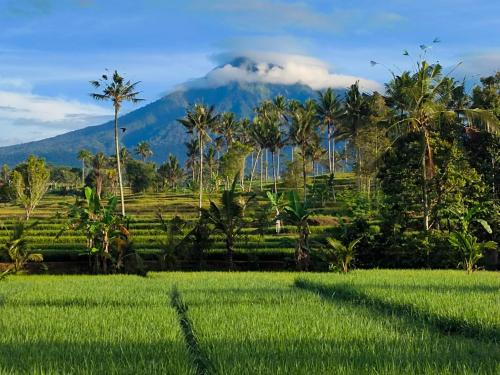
385,322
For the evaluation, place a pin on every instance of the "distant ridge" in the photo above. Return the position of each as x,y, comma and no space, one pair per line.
156,122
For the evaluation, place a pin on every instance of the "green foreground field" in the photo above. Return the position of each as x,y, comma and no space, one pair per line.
384,322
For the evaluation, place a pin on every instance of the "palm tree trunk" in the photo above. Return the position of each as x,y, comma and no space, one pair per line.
254,165
230,251
274,174
118,163
345,155
425,196
278,164
304,174
261,170
333,156
267,166
83,172
200,188
329,150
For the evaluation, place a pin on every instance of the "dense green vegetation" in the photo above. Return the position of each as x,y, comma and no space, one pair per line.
422,161
388,322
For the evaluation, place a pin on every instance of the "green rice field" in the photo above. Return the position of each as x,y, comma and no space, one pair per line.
373,322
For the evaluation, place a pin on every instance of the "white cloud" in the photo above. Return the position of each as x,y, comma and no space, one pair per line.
279,69
26,116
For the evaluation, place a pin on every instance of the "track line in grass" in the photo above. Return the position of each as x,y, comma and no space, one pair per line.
200,361
411,315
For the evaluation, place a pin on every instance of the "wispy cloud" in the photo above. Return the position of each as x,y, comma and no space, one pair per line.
30,117
278,68
286,16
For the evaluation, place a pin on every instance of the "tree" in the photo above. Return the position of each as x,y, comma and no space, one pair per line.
171,171
85,156
141,176
18,251
304,126
199,121
267,132
102,228
30,182
143,149
355,119
228,218
117,90
5,174
330,111
231,163
424,101
297,213
228,127
99,163
193,150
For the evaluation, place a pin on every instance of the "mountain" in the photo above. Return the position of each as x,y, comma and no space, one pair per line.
156,122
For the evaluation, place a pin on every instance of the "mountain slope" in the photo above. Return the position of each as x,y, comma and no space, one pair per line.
155,123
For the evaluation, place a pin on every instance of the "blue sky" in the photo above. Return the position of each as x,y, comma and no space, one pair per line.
50,49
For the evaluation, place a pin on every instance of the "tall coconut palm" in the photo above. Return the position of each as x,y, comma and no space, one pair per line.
143,149
267,131
330,110
356,113
200,120
227,128
85,156
211,160
304,127
171,171
99,162
193,150
117,90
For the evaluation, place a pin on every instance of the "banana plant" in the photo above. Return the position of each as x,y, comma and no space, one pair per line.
18,251
470,248
296,213
465,242
277,203
101,224
340,255
228,217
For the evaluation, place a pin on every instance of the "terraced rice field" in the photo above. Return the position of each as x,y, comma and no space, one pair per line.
145,227
384,322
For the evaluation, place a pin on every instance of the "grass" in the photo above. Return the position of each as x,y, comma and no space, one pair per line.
385,322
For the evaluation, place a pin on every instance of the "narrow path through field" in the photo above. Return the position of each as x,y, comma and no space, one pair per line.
200,361
408,313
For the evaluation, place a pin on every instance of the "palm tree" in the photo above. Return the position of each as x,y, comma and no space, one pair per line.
171,171
118,91
200,120
330,111
99,162
192,153
143,149
268,133
227,218
211,159
304,126
228,127
355,118
85,156
423,107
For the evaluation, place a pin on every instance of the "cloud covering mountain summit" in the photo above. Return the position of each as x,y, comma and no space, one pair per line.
278,69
